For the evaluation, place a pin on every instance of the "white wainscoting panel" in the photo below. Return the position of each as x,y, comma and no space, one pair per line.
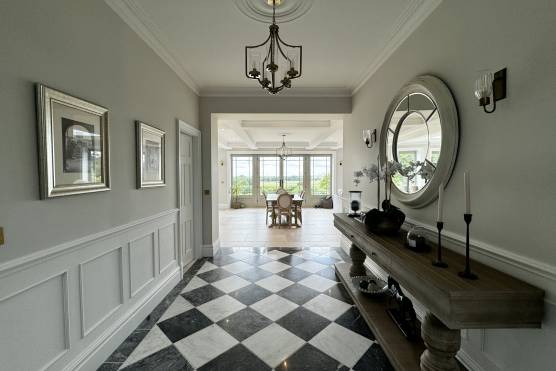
68,307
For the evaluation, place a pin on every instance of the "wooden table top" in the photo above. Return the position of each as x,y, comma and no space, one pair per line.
494,300
274,197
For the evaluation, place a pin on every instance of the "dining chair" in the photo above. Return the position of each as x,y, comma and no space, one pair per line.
284,207
297,208
269,208
281,191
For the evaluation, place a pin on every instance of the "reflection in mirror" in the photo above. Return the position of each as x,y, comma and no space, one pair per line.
414,140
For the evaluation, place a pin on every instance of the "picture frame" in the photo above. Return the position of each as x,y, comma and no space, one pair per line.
73,144
151,153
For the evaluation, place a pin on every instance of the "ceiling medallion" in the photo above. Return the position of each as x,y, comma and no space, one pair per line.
273,63
261,10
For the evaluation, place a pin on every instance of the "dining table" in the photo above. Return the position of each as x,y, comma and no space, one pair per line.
296,201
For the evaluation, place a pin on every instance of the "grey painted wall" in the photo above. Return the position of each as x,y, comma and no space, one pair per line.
265,104
84,49
510,153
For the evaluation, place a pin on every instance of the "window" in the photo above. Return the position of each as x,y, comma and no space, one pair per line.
293,174
320,175
269,174
242,175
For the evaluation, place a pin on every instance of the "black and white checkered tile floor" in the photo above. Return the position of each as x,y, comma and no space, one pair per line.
255,309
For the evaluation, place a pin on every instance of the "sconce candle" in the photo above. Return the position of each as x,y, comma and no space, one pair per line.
440,202
466,185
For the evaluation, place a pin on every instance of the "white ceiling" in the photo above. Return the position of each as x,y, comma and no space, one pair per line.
344,42
264,131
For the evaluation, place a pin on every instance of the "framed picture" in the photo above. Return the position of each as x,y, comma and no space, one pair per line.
73,144
150,156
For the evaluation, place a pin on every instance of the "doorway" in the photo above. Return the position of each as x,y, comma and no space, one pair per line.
189,193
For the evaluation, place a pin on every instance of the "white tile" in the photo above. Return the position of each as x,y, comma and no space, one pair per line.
274,267
152,343
179,306
310,266
276,254
204,345
317,282
306,254
230,284
340,343
327,306
240,255
274,283
195,283
208,266
274,307
237,267
220,308
273,344
335,255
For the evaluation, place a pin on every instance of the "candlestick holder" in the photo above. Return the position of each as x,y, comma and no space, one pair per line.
467,272
438,262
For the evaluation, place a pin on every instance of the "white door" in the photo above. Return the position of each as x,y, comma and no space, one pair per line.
186,199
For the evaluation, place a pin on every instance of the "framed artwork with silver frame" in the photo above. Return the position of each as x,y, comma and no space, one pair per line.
73,144
151,143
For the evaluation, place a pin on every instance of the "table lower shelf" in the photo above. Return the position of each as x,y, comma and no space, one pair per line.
403,354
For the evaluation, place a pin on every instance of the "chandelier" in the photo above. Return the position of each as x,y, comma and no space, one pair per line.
283,152
274,63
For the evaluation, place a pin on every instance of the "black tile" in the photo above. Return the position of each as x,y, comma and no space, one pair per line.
294,274
250,294
202,295
167,359
303,323
221,260
239,358
185,324
326,260
254,274
244,323
292,260
287,250
214,275
329,273
309,358
109,367
353,320
129,344
374,360
299,294
339,292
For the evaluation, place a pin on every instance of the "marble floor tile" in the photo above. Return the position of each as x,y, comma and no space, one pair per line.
303,323
374,359
244,323
220,308
230,284
250,294
167,359
309,358
183,325
195,283
339,292
276,254
205,345
254,274
297,293
342,344
208,266
291,260
215,275
327,306
274,307
239,358
294,274
274,267
202,295
329,273
127,347
273,344
274,283
237,267
311,266
317,282
179,306
353,320
152,343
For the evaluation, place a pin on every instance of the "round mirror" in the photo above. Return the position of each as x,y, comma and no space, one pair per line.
421,134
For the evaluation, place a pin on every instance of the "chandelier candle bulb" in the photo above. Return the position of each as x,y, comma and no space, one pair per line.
440,202
466,185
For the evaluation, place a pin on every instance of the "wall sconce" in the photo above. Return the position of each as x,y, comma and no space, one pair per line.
369,137
488,84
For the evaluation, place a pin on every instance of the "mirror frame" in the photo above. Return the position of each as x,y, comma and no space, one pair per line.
442,97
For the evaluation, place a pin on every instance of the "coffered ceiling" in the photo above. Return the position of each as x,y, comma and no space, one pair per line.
344,42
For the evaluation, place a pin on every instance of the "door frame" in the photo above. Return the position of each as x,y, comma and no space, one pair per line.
195,134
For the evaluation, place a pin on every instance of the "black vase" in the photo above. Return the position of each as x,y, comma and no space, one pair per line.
388,222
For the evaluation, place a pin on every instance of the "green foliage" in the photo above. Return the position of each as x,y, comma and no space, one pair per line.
321,186
241,186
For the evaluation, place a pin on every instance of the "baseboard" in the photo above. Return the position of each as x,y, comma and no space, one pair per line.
97,352
210,250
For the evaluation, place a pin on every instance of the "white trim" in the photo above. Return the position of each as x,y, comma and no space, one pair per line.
211,249
42,256
414,14
139,21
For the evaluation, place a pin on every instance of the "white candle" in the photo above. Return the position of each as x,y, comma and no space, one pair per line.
466,181
440,201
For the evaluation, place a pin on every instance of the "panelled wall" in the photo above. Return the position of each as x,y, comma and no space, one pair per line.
79,273
510,153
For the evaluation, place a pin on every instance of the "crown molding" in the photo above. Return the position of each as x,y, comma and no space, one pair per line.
139,21
413,15
259,92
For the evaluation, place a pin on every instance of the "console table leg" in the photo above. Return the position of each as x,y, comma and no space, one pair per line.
442,345
357,262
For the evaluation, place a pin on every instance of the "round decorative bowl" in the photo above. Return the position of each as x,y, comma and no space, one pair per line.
370,285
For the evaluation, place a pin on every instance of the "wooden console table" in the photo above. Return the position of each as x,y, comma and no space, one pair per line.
495,300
